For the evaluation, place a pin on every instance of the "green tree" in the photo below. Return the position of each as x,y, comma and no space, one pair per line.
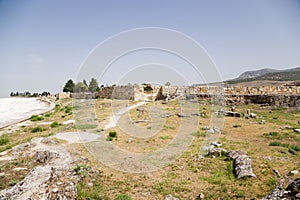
93,86
85,83
69,86
80,87
167,83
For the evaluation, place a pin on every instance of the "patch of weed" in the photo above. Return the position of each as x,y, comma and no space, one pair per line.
4,140
37,129
34,118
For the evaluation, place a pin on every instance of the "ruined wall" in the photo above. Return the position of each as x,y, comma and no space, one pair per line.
117,92
275,100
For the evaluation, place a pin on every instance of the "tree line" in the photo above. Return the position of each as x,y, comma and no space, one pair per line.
83,86
28,94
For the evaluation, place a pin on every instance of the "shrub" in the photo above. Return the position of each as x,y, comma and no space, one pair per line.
55,124
34,118
278,144
37,129
274,134
112,134
13,182
47,115
68,109
123,197
4,140
292,151
237,125
148,88
295,147
77,168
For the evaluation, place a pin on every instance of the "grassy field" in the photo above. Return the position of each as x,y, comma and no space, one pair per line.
269,145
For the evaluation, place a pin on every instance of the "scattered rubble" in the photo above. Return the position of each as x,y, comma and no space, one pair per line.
290,193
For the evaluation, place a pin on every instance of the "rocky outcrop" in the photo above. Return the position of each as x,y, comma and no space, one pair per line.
39,183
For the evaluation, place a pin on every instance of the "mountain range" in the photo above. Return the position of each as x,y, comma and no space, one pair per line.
292,74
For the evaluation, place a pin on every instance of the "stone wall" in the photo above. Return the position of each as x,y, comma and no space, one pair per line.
276,100
269,95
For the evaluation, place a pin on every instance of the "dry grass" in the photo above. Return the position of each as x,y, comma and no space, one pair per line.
187,176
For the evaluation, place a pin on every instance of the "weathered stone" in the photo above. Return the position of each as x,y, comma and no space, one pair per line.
19,168
294,172
182,115
216,144
297,130
170,197
276,172
42,156
286,127
200,196
252,115
235,154
242,164
242,167
216,152
294,187
48,141
160,95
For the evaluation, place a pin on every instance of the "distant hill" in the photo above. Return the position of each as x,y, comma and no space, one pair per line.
256,73
268,74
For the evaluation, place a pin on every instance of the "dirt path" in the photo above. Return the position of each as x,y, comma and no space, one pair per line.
113,120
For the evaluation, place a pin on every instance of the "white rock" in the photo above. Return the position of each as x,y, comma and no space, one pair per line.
3,153
19,168
55,190
294,172
69,122
297,130
170,197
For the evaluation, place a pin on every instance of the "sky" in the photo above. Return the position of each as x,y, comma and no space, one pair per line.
45,43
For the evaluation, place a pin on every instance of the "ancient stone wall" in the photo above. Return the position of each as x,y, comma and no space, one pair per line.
276,100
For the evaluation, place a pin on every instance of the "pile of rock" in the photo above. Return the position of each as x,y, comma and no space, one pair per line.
291,192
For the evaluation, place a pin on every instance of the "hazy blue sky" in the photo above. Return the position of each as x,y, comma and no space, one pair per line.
44,43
